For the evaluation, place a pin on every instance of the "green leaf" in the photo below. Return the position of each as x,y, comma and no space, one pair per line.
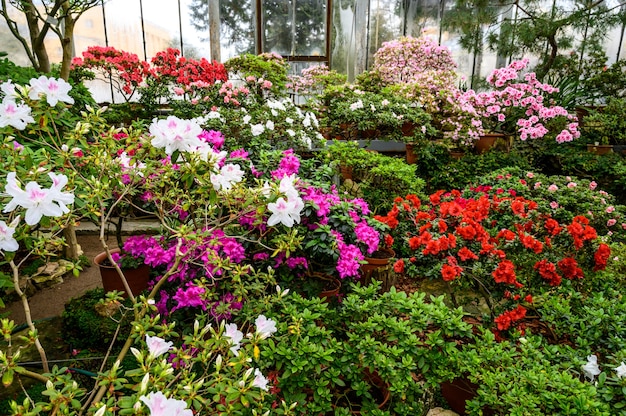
7,378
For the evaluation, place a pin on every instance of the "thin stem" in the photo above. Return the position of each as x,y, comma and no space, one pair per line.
139,315
27,314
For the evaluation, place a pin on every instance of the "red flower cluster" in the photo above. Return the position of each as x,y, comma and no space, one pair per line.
601,257
505,273
506,319
124,65
581,231
547,270
499,240
186,71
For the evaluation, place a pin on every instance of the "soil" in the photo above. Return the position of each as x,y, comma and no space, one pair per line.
50,302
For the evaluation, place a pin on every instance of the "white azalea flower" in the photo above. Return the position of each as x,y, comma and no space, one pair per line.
257,129
264,327
228,176
284,211
37,202
235,337
259,380
8,88
61,198
157,346
160,405
14,114
7,241
591,369
175,134
53,89
621,370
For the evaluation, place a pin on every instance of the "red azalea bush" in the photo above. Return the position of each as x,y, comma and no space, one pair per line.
167,75
124,69
500,244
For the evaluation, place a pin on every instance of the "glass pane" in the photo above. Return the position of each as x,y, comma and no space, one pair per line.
10,44
385,25
236,27
295,27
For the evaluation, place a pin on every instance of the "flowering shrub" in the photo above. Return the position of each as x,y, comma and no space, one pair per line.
265,73
168,75
124,69
314,79
563,197
221,218
502,244
173,76
523,101
409,60
424,73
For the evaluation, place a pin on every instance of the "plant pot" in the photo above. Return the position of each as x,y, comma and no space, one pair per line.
411,156
457,154
369,133
408,128
378,268
380,391
458,391
331,289
600,149
346,172
137,279
486,142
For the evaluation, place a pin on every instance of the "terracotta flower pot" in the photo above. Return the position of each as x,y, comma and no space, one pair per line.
486,142
408,128
600,149
379,268
137,278
458,391
380,391
411,156
331,287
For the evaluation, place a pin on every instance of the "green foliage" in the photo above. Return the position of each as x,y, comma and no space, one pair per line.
85,328
593,323
319,352
606,125
377,178
441,171
266,66
17,74
526,377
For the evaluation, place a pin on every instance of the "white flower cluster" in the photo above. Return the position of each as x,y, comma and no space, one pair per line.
16,114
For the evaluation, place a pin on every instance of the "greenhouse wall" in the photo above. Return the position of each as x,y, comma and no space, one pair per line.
292,28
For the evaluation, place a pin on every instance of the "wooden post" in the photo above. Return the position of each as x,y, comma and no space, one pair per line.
214,30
